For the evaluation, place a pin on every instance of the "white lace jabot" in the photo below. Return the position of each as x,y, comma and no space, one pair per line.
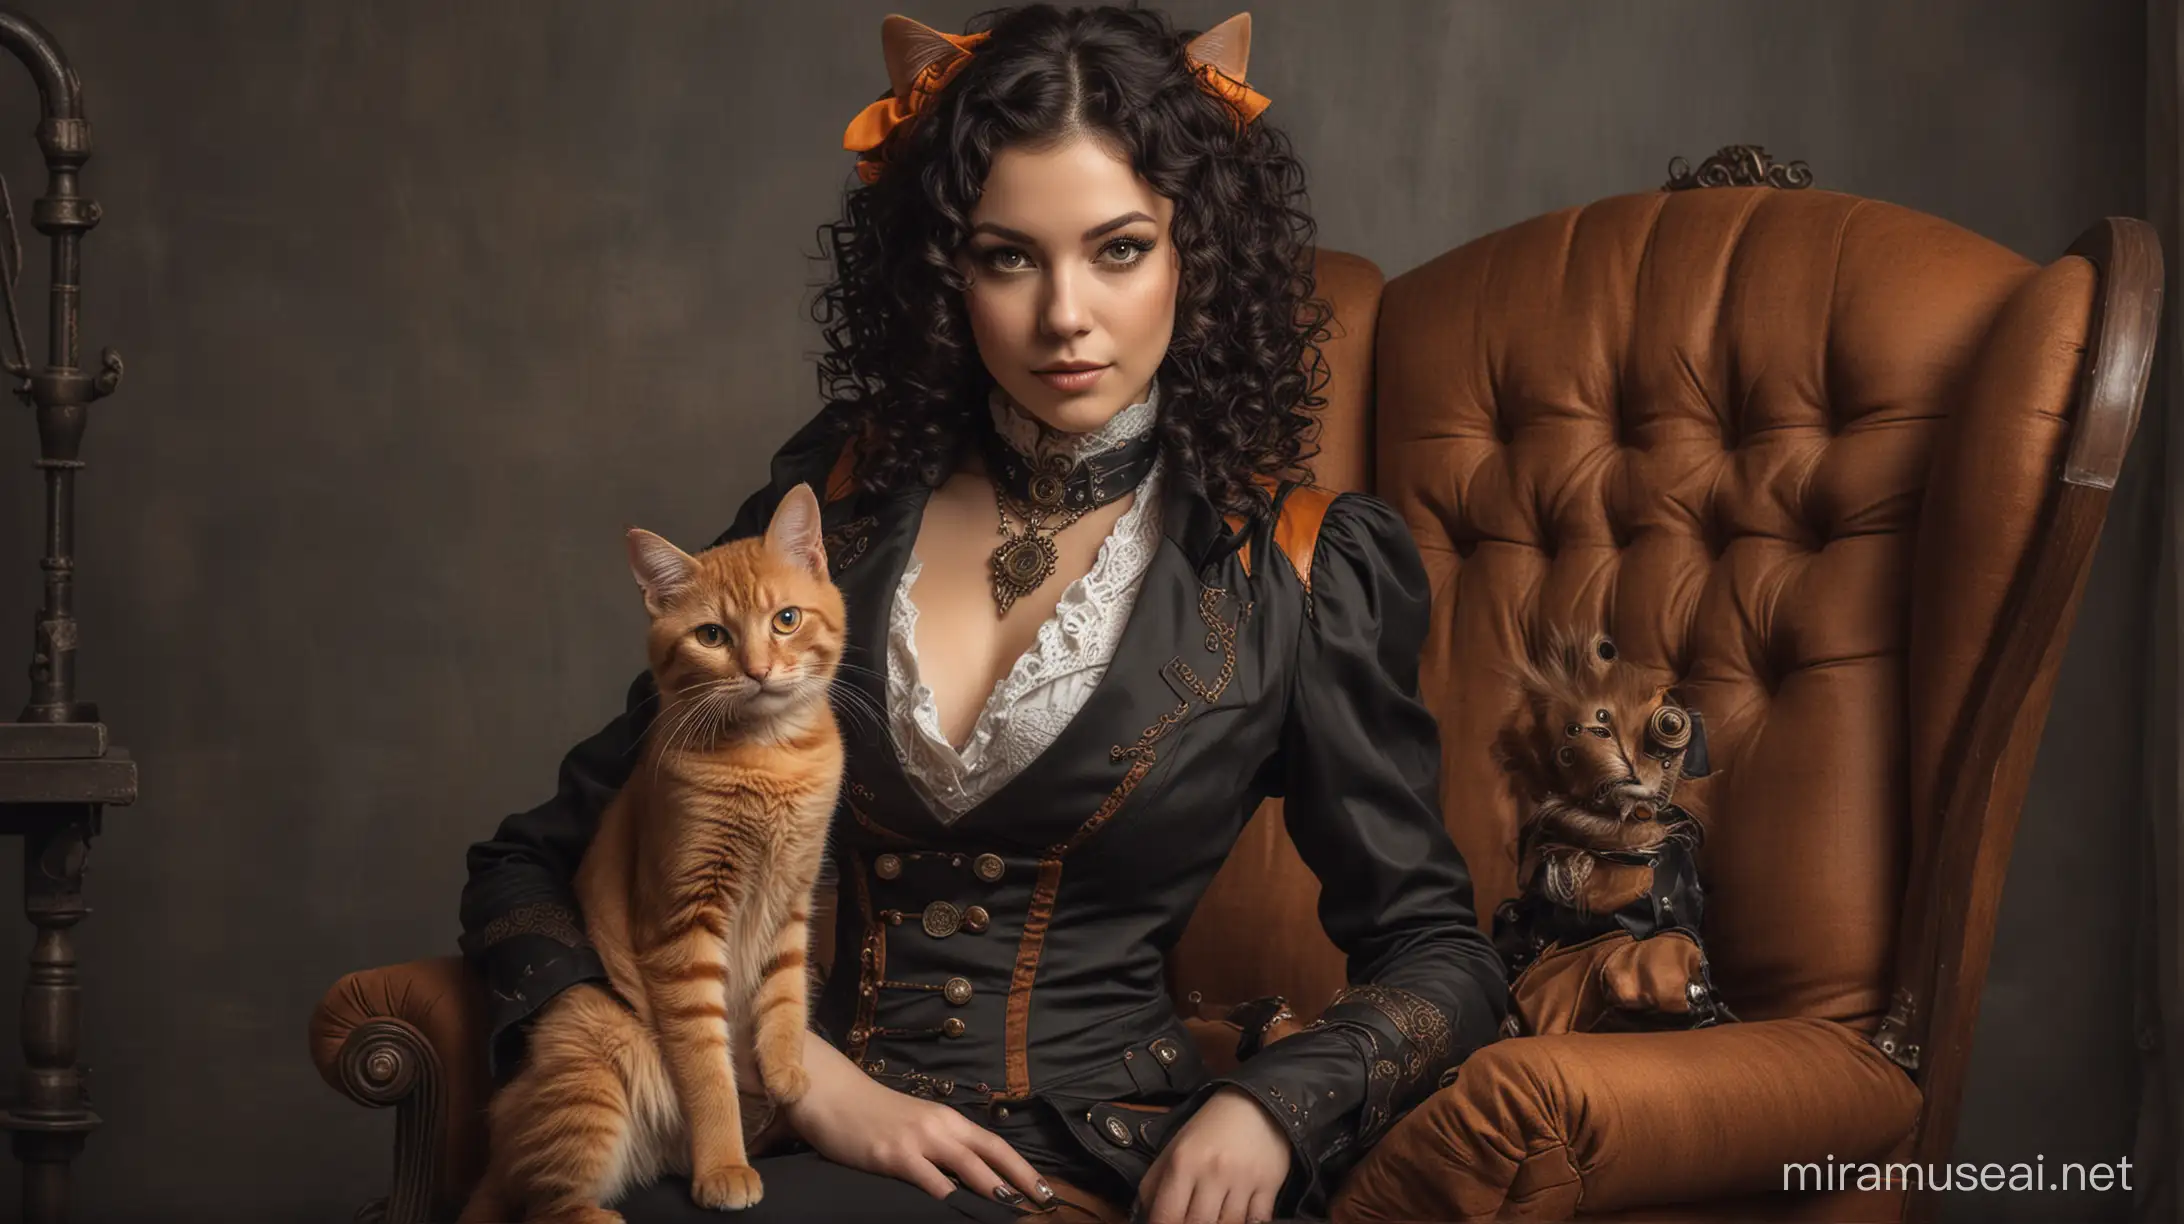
1050,681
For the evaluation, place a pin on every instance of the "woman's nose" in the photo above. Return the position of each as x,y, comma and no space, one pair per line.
1063,314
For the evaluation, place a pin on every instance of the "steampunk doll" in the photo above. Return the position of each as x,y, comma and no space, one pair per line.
1094,619
1604,932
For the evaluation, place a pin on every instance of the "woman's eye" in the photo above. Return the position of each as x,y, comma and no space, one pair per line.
787,619
711,635
1004,259
1126,251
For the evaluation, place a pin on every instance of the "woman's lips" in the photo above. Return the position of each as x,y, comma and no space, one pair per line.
1072,380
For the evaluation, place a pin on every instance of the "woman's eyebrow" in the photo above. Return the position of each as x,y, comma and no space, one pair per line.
1003,231
1115,224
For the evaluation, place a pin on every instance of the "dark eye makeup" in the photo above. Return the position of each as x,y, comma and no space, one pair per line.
1124,252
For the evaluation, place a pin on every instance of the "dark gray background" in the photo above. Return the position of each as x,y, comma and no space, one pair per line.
422,302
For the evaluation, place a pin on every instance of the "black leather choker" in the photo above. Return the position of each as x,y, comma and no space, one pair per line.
1049,495
1060,484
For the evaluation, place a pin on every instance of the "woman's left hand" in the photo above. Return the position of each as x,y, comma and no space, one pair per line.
1225,1166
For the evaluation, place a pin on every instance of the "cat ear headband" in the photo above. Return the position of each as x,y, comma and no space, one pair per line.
922,60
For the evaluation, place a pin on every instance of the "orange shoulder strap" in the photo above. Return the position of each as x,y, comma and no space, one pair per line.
842,481
1296,526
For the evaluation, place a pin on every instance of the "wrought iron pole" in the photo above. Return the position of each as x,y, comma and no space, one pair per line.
62,392
57,771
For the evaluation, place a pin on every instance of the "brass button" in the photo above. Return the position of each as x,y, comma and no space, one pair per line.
953,1026
976,919
1000,1111
887,866
957,991
1165,1051
988,867
1118,1131
942,920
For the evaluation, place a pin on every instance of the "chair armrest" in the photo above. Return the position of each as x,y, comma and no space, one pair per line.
413,1036
1546,1127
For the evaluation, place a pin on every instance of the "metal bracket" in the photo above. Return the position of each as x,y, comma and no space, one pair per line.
1893,1037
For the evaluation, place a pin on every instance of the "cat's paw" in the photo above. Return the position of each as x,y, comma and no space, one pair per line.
786,1082
728,1187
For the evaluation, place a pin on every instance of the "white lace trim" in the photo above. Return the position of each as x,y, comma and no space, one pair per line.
1035,440
1044,690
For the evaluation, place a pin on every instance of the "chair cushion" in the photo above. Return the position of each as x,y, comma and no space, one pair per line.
1547,1127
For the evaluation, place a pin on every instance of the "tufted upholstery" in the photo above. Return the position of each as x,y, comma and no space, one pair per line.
1793,448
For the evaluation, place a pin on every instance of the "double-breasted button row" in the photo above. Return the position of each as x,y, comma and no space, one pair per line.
957,990
987,867
943,918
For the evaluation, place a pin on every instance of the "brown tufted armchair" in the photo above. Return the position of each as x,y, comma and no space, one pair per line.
1837,466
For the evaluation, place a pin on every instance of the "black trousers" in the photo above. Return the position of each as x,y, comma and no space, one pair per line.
806,1188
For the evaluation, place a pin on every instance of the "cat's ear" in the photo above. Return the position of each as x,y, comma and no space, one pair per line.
660,568
1226,46
909,47
794,533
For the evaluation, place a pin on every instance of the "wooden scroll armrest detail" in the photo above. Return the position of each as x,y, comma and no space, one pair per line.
412,1037
388,1062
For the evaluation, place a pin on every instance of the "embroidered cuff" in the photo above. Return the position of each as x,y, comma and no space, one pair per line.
1408,1049
1310,1084
526,962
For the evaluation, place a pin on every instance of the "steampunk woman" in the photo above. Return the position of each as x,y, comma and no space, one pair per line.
1072,362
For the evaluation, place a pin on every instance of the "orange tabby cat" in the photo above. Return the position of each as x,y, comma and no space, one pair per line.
696,891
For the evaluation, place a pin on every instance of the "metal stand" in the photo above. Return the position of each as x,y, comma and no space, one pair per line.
57,770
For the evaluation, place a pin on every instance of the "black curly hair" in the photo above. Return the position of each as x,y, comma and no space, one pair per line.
1240,383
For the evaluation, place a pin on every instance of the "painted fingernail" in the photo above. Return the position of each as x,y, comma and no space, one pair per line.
1008,1194
1045,1191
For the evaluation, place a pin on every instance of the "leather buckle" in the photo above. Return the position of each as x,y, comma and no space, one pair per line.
1254,1019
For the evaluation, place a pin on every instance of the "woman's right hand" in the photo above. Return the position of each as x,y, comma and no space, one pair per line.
852,1119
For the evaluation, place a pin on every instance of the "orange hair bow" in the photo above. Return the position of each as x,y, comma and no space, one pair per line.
922,60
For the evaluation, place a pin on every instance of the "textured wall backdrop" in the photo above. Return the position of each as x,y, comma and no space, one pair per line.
422,302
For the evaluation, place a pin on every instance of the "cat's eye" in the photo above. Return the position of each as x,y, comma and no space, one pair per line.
787,619
711,635
1567,755
1601,716
1572,729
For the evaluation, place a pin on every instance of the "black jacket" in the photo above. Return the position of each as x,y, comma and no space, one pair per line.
1018,952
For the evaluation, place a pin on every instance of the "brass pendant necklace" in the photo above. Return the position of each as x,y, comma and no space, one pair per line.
1046,494
1024,561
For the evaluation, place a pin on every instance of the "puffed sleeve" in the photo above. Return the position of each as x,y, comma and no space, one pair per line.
522,929
1361,776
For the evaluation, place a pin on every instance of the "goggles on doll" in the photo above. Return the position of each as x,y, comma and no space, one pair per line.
922,60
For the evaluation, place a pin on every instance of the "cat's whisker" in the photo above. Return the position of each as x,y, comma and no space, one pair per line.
691,706
682,700
857,703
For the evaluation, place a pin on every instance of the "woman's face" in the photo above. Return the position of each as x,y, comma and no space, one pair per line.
1072,281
